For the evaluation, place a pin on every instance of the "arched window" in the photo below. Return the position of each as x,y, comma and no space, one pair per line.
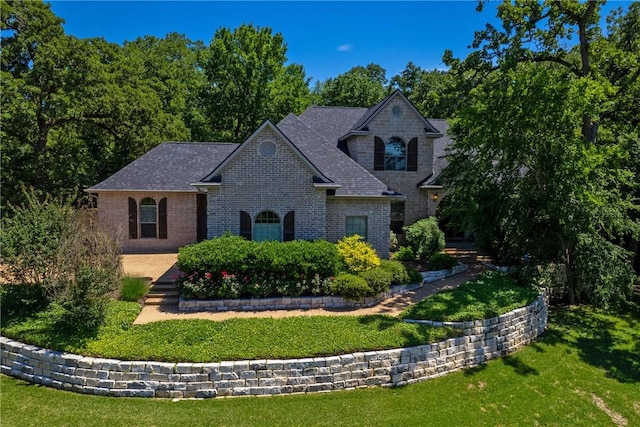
148,218
395,155
267,227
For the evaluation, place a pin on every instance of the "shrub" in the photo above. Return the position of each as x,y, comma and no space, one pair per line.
133,288
21,299
30,238
378,279
404,253
442,261
393,241
64,251
232,267
399,275
424,237
602,272
357,255
351,287
414,275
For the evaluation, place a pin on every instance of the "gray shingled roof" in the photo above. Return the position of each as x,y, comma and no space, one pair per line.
170,166
364,119
331,123
334,164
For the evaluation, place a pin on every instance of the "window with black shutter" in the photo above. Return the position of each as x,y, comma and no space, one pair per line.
133,219
245,225
162,218
412,155
378,162
289,227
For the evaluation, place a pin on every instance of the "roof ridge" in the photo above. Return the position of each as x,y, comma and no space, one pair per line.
200,142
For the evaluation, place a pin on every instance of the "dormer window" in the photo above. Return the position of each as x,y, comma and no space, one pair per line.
395,155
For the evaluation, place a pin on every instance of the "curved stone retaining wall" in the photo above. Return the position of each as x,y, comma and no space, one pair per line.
482,340
305,303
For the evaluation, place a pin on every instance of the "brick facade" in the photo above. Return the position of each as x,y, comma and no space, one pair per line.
280,179
406,125
113,214
253,182
377,213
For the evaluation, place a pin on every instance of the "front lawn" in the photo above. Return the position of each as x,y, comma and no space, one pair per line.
197,340
489,295
583,371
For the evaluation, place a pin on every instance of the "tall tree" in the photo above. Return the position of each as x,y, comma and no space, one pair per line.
248,82
358,87
73,110
172,67
430,91
540,152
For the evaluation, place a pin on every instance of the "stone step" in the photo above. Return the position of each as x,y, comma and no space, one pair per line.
163,287
152,300
163,294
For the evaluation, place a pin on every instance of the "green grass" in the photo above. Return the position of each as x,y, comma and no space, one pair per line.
583,371
489,295
133,288
198,340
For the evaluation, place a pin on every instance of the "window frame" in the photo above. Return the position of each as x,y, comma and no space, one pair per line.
347,232
147,226
396,158
261,229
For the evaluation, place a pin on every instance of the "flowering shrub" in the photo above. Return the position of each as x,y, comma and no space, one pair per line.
357,255
232,267
230,286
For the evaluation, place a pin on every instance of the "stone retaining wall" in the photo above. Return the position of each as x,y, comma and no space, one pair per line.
482,340
306,303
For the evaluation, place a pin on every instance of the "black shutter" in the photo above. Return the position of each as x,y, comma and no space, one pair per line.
201,214
133,219
412,155
162,218
378,160
245,225
289,226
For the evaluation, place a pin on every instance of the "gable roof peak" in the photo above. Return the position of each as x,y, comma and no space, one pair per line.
362,125
266,124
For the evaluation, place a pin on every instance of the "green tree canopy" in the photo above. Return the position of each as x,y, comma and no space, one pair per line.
358,87
248,81
540,164
73,110
430,91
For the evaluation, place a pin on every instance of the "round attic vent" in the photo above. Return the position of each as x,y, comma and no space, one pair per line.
267,149
396,110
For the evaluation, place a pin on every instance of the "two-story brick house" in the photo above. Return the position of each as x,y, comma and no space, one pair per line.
327,173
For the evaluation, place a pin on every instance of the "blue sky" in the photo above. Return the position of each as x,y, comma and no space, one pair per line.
327,38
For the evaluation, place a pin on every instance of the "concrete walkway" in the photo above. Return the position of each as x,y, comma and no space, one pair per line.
152,266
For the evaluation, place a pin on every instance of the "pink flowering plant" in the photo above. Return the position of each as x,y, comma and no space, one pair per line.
232,267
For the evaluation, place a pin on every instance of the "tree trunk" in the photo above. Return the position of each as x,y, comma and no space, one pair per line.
571,282
40,154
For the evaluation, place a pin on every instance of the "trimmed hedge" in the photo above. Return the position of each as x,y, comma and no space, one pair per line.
442,261
378,279
399,273
352,287
232,267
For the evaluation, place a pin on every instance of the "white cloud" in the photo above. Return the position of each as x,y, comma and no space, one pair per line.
345,48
